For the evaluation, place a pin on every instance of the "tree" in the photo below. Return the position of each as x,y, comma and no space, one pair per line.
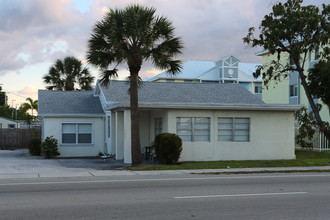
319,79
2,97
133,35
30,105
64,75
292,30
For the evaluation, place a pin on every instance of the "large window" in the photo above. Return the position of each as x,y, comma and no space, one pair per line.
77,133
193,129
293,90
234,129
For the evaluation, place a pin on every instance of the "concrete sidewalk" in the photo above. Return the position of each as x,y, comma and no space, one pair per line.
109,173
19,164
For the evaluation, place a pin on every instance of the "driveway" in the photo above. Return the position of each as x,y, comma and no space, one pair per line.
20,161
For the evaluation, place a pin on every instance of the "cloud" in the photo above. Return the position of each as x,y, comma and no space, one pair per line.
38,31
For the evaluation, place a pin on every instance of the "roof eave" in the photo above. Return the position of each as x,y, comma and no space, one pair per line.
211,106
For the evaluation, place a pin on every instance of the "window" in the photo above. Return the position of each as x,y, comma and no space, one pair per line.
317,53
158,126
257,89
293,90
76,133
11,126
210,81
109,126
193,129
234,129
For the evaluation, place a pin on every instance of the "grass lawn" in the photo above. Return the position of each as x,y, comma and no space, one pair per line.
304,159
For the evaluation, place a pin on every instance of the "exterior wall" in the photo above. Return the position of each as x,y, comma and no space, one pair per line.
271,137
277,93
52,127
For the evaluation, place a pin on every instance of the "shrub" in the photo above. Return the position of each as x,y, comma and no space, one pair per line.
168,148
49,148
34,146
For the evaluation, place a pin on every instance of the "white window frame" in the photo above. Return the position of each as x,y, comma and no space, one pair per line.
194,130
77,133
233,130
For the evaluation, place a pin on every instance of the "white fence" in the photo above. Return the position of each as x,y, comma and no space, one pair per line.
320,142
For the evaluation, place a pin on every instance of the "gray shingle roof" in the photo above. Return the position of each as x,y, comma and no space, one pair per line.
68,102
190,93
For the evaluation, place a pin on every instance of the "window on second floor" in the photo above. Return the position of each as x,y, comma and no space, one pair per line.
258,89
293,90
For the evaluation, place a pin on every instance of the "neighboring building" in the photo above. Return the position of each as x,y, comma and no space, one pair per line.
234,125
8,123
225,70
290,90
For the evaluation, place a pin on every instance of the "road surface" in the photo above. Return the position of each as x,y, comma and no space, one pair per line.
263,196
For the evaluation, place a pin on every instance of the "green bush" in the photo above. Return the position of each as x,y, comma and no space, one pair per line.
34,146
168,148
49,148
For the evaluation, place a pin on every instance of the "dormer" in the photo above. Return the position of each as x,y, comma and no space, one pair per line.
228,67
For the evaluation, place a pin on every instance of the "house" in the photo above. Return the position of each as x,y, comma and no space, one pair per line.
215,121
8,123
290,90
225,70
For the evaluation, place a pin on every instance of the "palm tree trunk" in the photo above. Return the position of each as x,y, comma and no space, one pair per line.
135,125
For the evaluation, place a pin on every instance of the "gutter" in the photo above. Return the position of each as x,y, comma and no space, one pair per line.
210,106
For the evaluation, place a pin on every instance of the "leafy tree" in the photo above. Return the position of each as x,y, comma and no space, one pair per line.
133,35
319,79
292,30
30,105
64,75
2,97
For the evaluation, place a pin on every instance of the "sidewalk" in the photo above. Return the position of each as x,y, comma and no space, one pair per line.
109,173
19,164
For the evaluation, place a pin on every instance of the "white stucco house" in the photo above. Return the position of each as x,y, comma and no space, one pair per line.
8,123
215,121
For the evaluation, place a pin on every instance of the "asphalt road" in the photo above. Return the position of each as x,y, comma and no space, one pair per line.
274,196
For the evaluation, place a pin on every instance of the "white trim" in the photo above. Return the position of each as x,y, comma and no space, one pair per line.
71,115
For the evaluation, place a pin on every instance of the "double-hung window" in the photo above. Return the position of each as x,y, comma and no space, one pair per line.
193,129
77,133
234,129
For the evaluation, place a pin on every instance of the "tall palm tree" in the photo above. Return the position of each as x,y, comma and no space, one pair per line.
63,75
133,35
30,105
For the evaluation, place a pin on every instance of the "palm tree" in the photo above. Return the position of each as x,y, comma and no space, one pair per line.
133,35
30,105
63,75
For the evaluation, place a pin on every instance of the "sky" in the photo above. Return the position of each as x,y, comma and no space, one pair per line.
34,33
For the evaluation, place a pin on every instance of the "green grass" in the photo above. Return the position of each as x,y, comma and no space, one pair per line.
303,159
